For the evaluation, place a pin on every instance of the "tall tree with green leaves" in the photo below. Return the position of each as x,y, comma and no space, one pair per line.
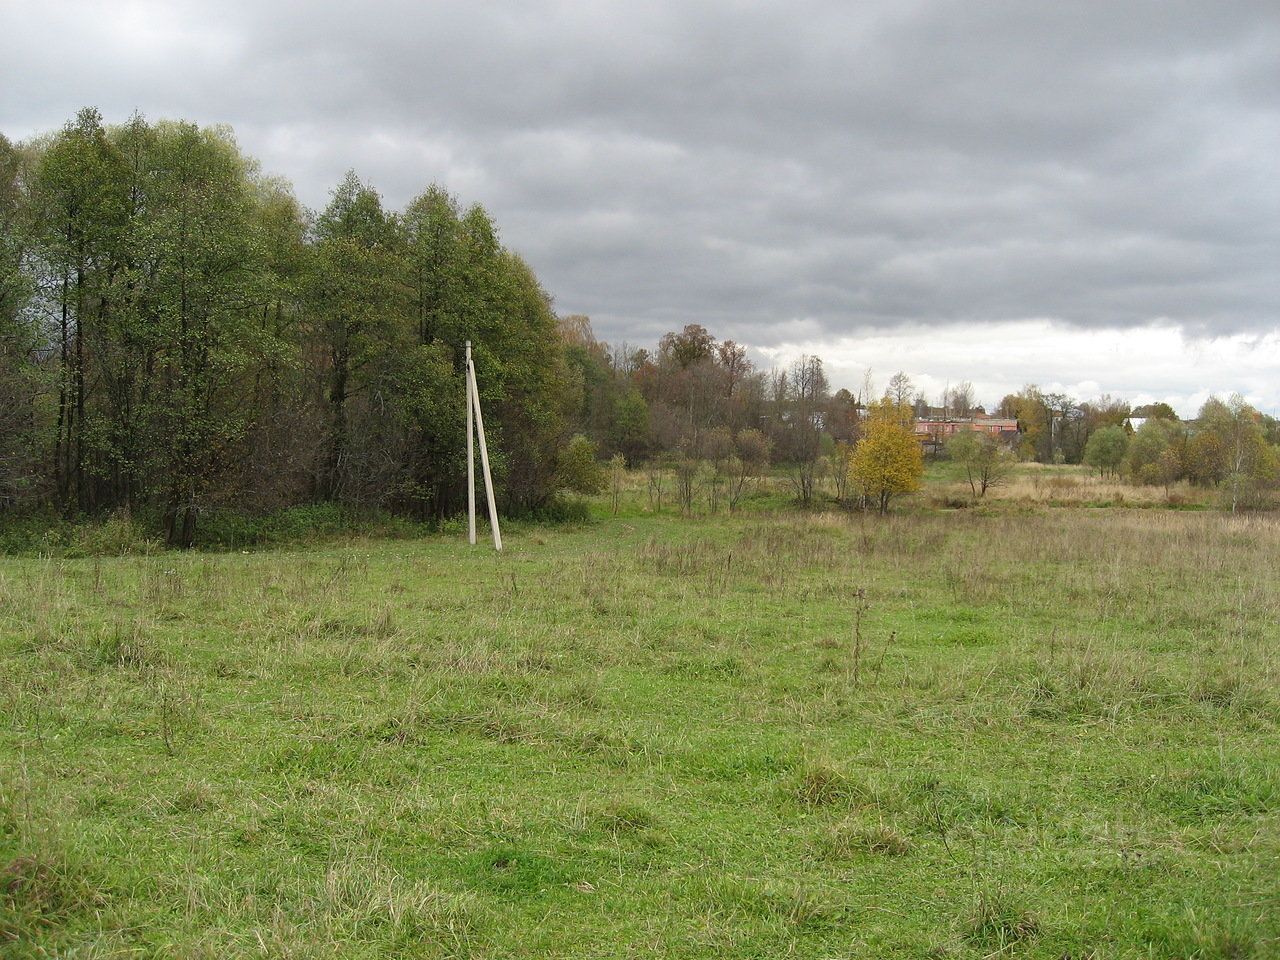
204,297
1251,465
15,283
432,377
284,436
529,384
434,237
357,302
21,382
82,212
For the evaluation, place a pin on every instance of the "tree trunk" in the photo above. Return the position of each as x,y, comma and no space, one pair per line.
338,424
78,474
180,523
62,447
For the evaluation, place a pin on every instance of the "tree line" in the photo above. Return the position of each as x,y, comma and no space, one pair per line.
179,334
697,407
1229,446
697,404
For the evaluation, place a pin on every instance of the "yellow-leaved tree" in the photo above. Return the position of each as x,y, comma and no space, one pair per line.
888,459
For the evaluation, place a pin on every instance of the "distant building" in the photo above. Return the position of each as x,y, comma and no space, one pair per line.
932,431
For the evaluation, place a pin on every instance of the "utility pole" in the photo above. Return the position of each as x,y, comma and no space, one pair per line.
473,406
471,459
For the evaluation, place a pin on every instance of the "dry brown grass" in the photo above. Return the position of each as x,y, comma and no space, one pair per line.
1047,485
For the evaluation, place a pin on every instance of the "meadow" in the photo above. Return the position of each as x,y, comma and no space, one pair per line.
1028,730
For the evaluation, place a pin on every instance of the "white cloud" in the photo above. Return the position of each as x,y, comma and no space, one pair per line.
1141,364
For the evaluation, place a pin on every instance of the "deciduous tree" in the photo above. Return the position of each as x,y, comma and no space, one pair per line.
888,460
578,470
747,465
986,461
1106,449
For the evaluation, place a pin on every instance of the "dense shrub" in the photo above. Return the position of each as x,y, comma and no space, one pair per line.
309,523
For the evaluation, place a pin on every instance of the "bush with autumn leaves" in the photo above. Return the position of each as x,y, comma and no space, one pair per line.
888,460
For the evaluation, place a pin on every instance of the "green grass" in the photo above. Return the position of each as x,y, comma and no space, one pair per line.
1057,736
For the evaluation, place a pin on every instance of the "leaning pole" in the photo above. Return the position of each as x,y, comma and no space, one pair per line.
473,410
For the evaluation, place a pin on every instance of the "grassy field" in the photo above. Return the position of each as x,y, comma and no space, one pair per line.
1066,486
1025,731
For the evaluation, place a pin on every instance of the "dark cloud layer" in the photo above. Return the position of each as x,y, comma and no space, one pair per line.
776,172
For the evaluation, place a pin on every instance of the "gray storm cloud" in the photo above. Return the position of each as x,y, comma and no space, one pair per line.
769,171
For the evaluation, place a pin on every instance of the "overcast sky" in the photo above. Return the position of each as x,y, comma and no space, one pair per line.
1083,194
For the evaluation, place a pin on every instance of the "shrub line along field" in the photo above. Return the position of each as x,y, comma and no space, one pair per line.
1041,733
